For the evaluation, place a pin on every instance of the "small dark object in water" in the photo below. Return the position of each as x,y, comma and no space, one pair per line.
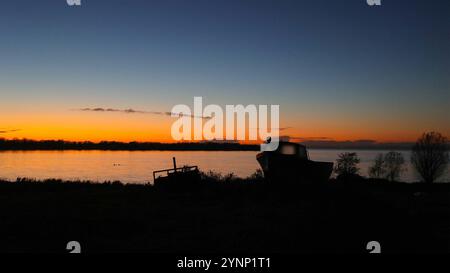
291,163
180,178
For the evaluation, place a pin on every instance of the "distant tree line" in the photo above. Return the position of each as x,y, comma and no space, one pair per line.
25,144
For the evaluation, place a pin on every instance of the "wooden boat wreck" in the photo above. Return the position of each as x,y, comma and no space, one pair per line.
180,178
291,163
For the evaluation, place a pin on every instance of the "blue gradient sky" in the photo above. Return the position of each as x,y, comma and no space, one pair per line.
338,69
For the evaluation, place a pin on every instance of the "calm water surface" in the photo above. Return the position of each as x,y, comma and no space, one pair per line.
137,167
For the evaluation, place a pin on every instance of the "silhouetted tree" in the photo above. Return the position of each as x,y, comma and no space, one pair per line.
388,166
377,170
394,165
347,164
430,156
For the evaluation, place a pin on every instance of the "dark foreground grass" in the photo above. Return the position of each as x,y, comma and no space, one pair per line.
232,216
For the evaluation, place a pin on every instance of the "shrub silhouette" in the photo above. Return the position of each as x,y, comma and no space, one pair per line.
394,165
258,175
346,164
430,156
378,170
388,166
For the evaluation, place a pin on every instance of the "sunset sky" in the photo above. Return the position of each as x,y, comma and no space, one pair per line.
339,70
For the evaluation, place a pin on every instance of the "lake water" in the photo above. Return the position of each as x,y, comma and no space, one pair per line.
137,167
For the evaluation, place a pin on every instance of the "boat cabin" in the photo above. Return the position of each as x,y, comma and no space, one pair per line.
292,149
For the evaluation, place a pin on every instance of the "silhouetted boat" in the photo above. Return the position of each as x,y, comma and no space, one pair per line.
291,163
180,178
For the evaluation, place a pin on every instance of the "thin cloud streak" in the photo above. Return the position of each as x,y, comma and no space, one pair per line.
279,129
296,138
5,131
133,111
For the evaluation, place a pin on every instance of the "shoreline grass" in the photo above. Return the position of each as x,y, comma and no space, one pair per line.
340,216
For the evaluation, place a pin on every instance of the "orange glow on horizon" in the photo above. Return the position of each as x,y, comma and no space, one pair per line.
79,126
78,132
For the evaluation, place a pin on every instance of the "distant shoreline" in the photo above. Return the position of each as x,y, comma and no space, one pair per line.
61,145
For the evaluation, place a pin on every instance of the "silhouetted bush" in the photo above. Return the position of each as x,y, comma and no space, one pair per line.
394,165
218,177
377,170
388,166
347,164
430,156
258,175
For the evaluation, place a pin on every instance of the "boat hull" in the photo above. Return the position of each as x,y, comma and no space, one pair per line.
283,168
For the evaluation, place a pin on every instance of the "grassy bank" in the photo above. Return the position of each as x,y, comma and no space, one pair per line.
225,215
